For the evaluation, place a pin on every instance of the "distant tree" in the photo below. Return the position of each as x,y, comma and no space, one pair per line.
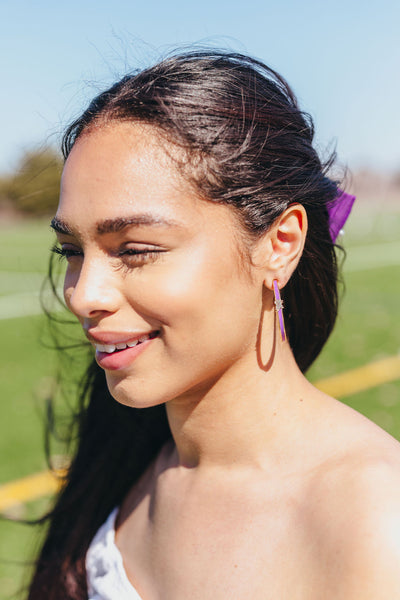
34,187
396,179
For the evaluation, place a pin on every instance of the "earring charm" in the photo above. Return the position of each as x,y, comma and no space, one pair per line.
279,309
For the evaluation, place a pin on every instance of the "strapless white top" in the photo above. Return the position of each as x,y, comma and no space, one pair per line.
105,572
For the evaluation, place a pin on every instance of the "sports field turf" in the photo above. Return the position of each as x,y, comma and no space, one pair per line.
368,329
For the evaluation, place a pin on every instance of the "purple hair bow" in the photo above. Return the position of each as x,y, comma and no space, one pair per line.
338,211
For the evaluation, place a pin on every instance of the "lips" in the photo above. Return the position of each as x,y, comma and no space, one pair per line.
120,355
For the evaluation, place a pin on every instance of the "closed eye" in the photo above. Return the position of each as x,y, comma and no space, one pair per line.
140,251
66,252
130,257
137,257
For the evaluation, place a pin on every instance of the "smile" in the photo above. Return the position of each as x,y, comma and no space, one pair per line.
118,346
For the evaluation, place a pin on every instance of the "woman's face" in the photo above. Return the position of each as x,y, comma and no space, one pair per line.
154,274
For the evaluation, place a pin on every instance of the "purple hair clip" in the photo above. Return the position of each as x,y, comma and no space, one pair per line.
338,211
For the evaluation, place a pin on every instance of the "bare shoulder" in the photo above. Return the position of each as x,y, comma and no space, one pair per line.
355,516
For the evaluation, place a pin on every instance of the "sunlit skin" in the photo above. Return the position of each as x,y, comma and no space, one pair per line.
268,489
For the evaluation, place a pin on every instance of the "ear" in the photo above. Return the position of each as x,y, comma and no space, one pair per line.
282,246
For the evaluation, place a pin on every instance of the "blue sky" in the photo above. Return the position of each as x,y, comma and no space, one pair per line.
342,59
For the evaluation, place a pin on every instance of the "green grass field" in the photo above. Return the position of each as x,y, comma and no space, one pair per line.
368,329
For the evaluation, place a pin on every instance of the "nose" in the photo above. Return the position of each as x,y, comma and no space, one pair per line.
92,290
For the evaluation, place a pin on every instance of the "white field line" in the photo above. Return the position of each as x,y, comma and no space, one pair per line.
374,256
24,304
21,275
12,282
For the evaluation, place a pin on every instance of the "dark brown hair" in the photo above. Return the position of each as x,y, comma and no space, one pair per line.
245,143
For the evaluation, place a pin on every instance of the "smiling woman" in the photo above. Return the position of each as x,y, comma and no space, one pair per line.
207,466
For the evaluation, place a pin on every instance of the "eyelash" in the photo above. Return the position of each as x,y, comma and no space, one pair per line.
65,252
131,254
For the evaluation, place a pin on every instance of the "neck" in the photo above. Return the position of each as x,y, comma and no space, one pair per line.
242,418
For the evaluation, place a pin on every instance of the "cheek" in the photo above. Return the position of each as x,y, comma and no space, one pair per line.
186,283
201,302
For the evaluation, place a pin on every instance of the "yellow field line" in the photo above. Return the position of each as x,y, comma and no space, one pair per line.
29,488
347,383
363,378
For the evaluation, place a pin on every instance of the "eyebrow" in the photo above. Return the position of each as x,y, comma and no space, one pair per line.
118,224
60,226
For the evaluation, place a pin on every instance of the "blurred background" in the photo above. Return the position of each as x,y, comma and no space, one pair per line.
342,60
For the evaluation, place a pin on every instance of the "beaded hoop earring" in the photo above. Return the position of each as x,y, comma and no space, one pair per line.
279,309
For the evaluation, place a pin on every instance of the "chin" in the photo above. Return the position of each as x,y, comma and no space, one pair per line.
134,393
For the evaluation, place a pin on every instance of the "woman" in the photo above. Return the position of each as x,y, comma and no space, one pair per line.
192,195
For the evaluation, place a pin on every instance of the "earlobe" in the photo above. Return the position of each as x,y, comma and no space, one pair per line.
286,243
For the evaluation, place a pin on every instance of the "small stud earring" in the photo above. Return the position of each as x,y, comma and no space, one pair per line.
279,309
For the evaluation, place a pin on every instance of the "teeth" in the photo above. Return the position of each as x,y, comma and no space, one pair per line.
132,344
106,348
110,348
120,346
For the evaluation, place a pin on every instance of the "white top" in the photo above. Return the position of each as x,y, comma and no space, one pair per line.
106,576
